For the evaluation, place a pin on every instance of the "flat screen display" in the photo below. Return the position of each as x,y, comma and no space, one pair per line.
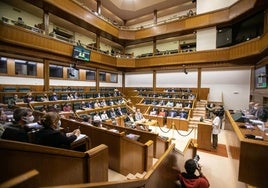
81,53
261,77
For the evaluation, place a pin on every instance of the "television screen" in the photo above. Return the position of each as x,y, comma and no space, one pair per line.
81,53
261,77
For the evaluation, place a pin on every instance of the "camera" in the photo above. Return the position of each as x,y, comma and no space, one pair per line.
196,159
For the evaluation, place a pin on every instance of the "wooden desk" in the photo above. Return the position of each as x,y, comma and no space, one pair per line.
253,163
82,143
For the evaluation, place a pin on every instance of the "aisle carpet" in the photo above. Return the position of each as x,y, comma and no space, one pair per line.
221,151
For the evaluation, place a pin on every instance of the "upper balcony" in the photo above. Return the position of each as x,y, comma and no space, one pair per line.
78,15
22,41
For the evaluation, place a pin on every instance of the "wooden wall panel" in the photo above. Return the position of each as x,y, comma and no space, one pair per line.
40,70
20,36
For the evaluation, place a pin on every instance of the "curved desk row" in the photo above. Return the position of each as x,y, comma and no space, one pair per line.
253,158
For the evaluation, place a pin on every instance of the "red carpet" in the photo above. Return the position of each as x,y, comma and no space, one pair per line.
221,151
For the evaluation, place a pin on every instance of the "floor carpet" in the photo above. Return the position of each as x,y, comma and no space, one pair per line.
221,150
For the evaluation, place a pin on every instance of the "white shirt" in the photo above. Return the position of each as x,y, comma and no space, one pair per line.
216,125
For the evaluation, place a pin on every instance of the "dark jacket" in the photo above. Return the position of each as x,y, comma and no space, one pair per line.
54,138
16,133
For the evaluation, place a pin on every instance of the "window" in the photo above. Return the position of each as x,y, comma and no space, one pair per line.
73,73
90,75
102,76
108,77
25,67
3,65
56,71
113,78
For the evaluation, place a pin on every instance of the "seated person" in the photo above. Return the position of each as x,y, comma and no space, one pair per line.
183,114
210,108
44,98
103,103
18,130
70,96
162,113
154,102
67,107
12,101
97,119
188,104
153,112
54,97
104,116
50,135
189,179
112,113
119,111
138,115
29,98
179,105
172,113
130,120
97,104
170,104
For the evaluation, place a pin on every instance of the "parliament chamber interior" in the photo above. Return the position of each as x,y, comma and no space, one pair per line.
139,87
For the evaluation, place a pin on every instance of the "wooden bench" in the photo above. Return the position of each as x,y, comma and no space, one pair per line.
160,144
55,166
123,151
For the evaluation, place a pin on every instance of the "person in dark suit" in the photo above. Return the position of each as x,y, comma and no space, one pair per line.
28,98
119,111
183,114
51,136
172,113
54,97
18,130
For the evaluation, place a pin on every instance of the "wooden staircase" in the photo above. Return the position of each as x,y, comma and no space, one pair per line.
198,112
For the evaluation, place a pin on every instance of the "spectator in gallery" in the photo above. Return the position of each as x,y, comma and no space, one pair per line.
50,135
170,104
97,119
75,96
18,130
20,21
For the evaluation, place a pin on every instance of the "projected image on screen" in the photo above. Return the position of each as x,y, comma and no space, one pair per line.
81,53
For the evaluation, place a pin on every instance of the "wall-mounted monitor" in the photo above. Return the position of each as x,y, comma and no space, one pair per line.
261,77
81,53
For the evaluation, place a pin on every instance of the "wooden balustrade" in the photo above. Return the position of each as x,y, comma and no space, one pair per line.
22,37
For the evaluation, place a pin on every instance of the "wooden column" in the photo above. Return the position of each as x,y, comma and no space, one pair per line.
123,82
155,16
265,27
198,82
99,7
154,80
97,80
46,75
98,41
154,47
46,22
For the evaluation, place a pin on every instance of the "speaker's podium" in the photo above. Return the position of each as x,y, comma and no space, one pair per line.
204,136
